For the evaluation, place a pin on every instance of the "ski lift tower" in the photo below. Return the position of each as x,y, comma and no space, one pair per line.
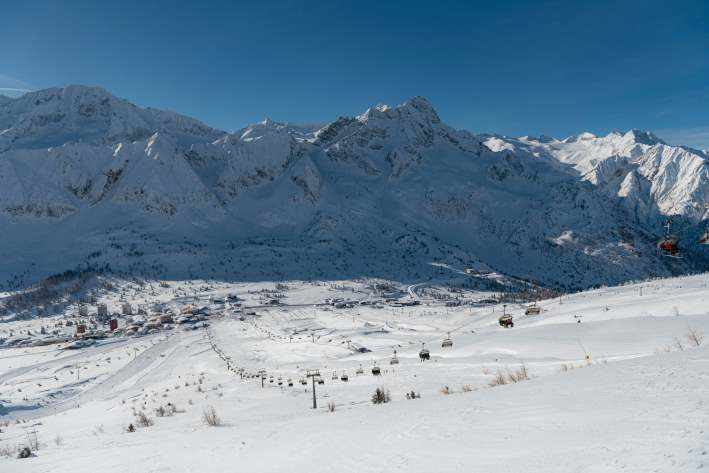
313,374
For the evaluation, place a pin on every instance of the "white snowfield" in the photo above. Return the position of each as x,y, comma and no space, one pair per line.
615,384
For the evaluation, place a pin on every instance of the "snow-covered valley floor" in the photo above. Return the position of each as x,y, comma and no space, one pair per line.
614,385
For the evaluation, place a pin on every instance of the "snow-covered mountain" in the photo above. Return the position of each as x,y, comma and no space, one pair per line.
89,178
651,178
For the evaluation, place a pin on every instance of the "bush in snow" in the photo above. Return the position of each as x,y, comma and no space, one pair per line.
695,337
499,379
445,390
380,396
25,452
7,451
518,375
331,406
678,344
210,417
143,420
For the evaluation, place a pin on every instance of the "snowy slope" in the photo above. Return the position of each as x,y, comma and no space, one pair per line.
386,193
622,390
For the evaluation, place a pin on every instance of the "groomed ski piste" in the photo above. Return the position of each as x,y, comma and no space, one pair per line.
612,379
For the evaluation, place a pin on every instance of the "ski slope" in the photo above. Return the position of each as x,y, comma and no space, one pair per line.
614,385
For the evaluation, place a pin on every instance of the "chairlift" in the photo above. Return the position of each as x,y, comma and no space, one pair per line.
303,381
447,342
359,370
394,359
334,375
668,244
424,354
344,377
533,309
376,371
506,321
321,381
280,381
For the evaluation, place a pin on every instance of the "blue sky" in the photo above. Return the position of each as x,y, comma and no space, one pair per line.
512,67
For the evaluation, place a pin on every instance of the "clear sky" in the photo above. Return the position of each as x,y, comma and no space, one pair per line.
512,67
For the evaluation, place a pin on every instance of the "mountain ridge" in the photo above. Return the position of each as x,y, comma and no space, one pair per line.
386,193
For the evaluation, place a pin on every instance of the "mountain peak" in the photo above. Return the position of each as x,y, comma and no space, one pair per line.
421,105
585,136
417,108
89,114
643,137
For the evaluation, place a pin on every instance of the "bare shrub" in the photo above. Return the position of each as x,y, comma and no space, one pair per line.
445,390
161,411
130,428
499,379
381,396
678,344
413,395
331,406
143,420
7,451
58,441
518,375
210,417
466,388
695,336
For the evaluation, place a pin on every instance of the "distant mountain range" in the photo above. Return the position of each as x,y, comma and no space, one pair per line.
90,180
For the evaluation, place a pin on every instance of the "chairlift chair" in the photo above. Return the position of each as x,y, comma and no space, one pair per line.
290,383
506,321
376,371
344,377
424,354
447,342
359,370
394,359
533,309
668,244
